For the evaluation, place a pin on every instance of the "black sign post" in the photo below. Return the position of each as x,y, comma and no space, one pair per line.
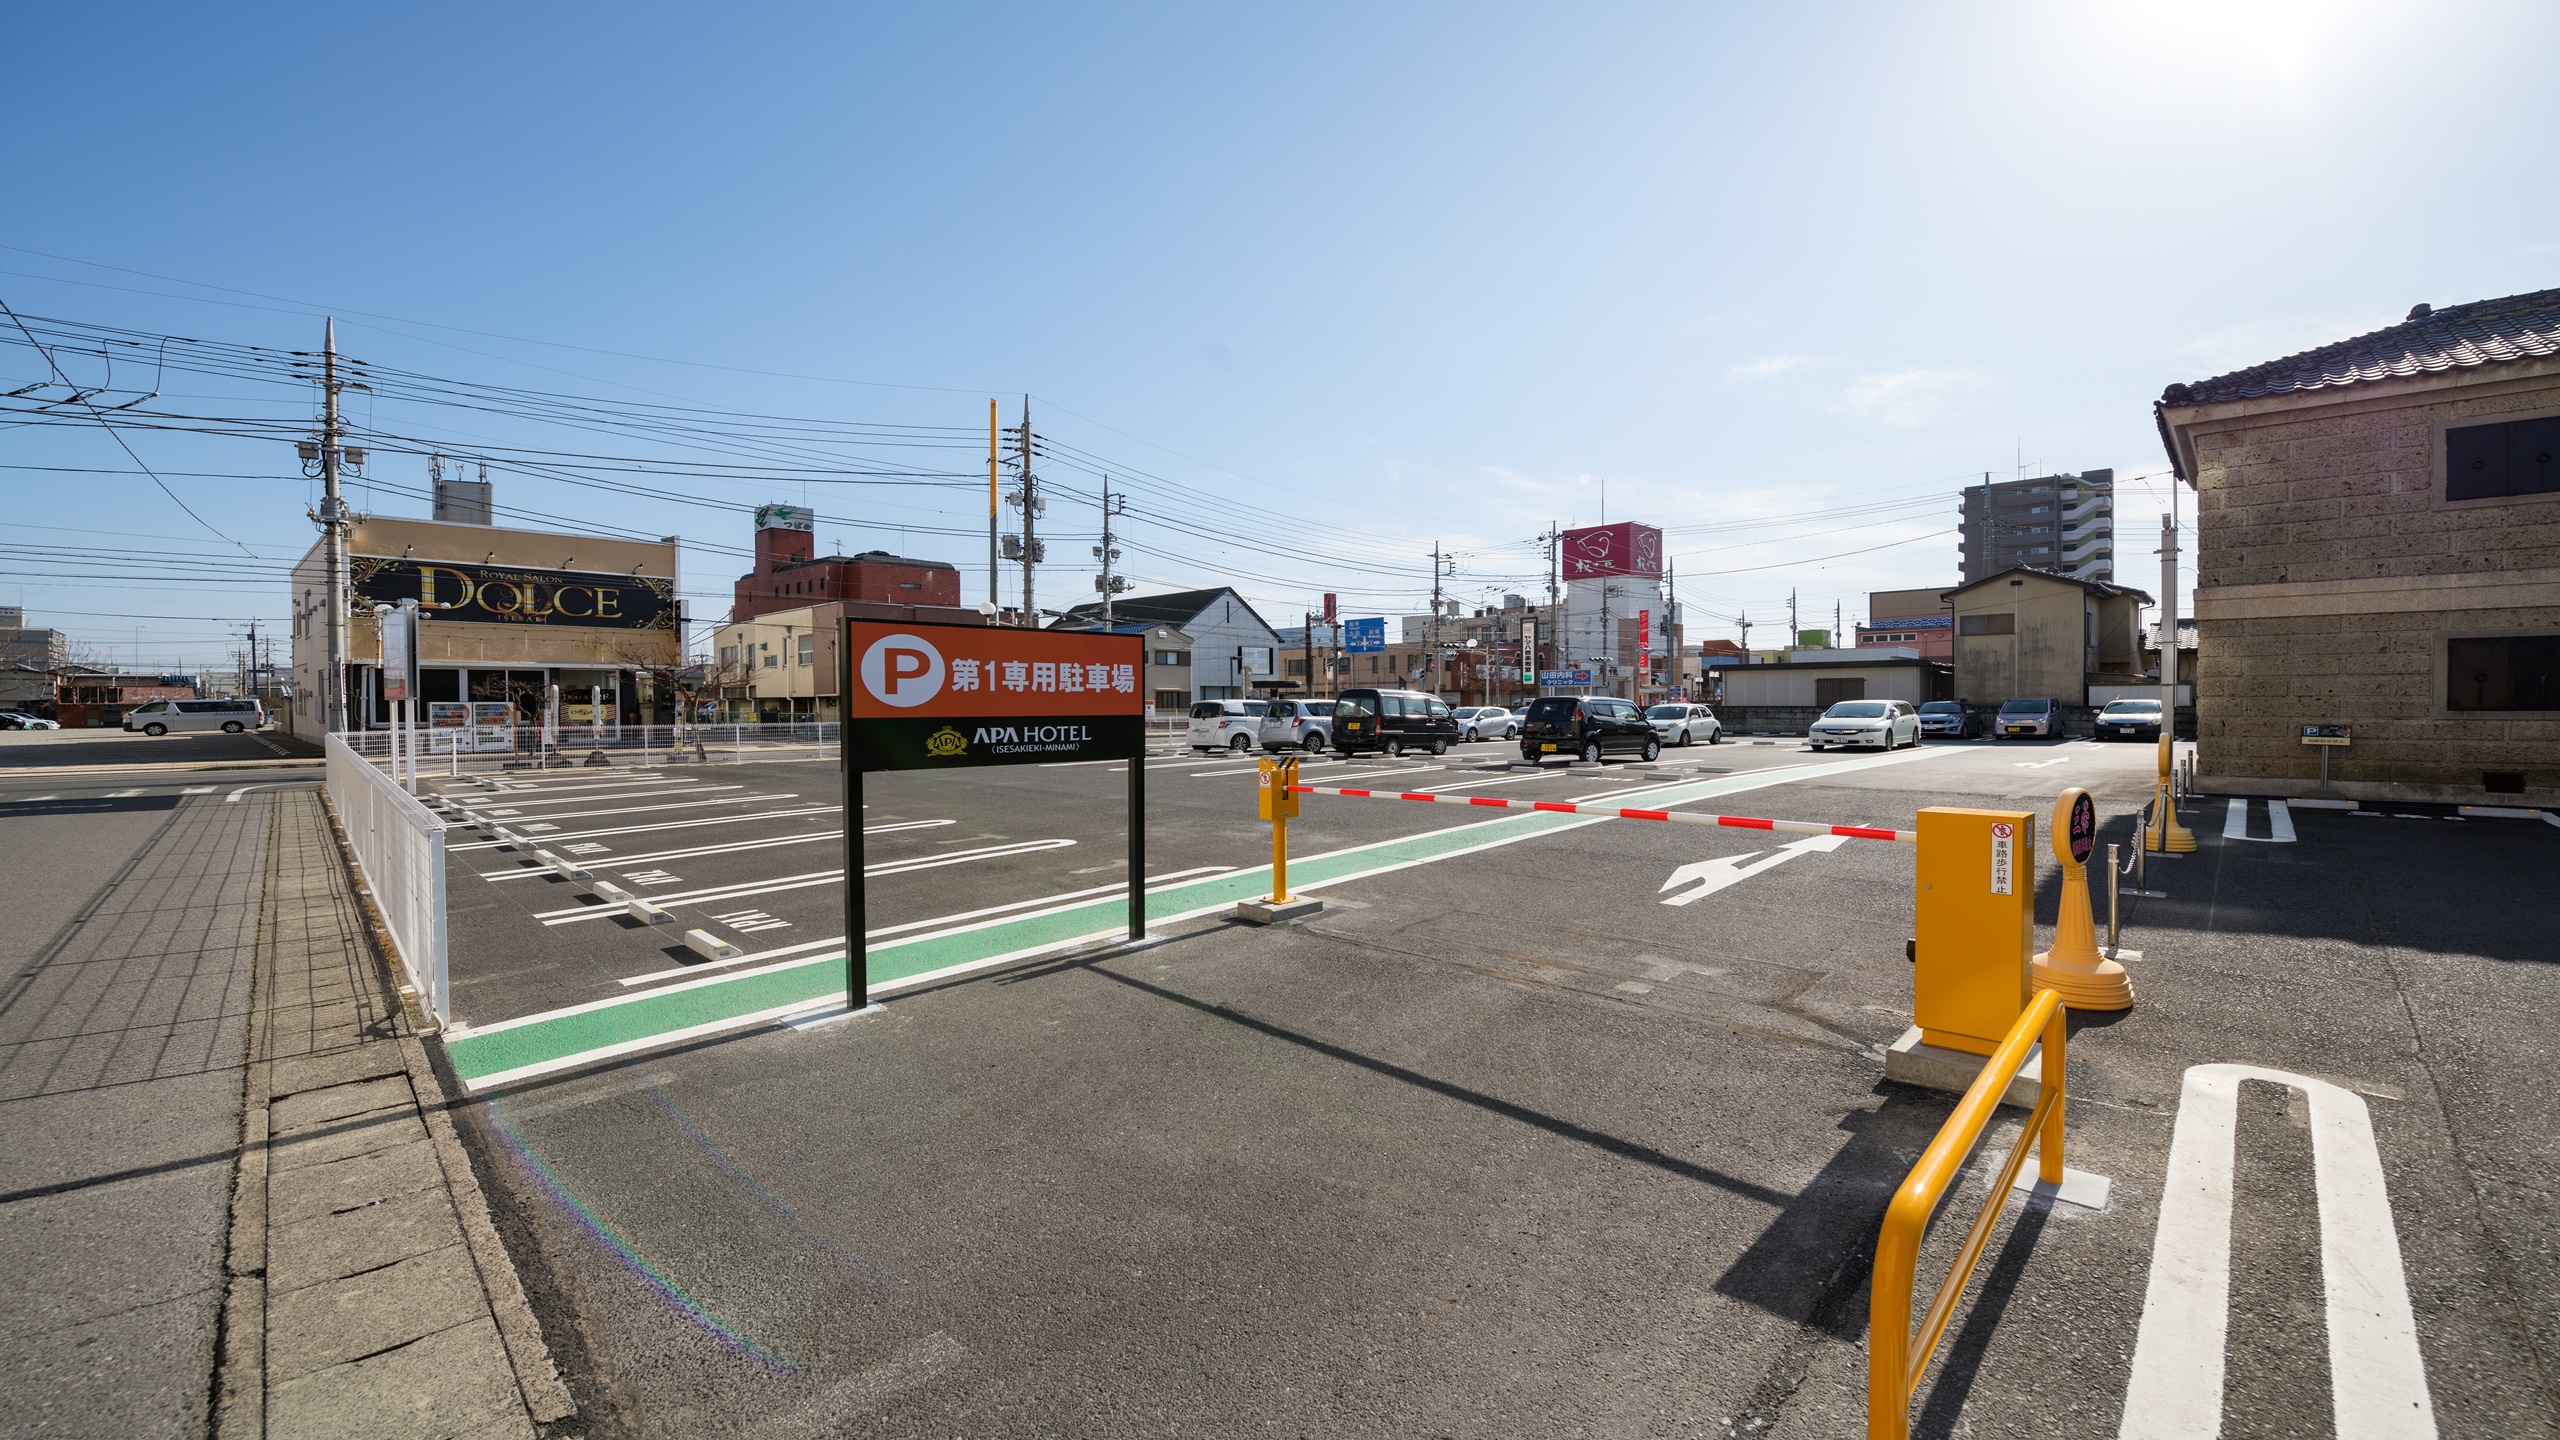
920,696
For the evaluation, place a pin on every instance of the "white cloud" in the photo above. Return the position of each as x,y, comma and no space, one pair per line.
1916,397
1770,367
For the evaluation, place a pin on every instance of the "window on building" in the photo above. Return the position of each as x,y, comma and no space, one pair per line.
2004,623
728,654
808,649
2487,462
2504,672
1172,699
1173,657
771,660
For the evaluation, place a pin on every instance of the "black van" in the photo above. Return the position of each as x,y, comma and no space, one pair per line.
1585,729
1392,722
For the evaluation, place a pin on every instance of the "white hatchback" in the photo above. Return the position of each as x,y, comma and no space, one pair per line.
1486,722
1680,724
1225,724
1885,724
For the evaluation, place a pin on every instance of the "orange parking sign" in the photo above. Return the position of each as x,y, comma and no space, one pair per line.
942,696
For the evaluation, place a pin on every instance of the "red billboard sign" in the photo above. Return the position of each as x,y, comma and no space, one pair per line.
1625,548
935,696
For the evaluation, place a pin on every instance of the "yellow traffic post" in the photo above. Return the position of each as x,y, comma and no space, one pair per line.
2164,835
1276,802
2075,968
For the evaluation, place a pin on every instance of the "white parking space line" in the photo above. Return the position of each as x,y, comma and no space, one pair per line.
733,847
646,809
121,794
520,802
660,825
963,917
745,888
197,790
2235,822
1478,784
2377,1378
559,787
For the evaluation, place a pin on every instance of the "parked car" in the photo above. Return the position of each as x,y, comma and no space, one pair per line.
1224,724
2024,715
1392,722
1589,728
2130,720
1950,718
1487,722
229,716
21,720
1296,724
1885,724
1685,724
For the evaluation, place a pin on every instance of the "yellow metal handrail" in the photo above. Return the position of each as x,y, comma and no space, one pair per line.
1895,1357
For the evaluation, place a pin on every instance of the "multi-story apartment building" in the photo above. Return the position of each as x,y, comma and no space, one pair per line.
2062,523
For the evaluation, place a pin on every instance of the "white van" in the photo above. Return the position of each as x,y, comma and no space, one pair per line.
162,716
1225,724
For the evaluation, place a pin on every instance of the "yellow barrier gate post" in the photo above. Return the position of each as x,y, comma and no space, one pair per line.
2164,835
1973,923
1276,802
2074,968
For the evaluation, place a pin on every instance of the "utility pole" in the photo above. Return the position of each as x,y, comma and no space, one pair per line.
995,597
1435,617
333,521
1835,624
1793,631
1108,583
1671,620
1026,547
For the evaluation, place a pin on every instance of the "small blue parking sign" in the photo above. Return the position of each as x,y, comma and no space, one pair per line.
1364,637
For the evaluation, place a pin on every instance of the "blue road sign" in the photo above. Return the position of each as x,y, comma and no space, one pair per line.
1364,637
1564,677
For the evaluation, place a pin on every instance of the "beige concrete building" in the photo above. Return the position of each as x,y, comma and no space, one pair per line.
2378,527
504,615
2033,633
781,666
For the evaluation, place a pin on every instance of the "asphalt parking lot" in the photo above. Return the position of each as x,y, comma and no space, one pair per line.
1524,1134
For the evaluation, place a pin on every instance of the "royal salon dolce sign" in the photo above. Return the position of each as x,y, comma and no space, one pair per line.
503,595
947,696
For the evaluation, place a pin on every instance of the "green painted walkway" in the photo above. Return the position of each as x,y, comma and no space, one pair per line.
556,1040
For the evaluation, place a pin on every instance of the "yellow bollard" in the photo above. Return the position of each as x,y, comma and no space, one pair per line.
2164,835
1275,802
2074,968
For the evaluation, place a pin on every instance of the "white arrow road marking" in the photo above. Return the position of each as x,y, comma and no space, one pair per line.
2377,1380
1711,876
2041,764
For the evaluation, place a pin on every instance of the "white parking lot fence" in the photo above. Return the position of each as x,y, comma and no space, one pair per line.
399,852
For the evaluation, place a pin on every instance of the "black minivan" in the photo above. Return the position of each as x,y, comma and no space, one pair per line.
1392,722
1586,728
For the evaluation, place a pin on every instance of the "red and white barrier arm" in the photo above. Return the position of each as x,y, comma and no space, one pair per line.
1681,817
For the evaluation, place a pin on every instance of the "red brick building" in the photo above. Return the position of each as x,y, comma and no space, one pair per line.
791,575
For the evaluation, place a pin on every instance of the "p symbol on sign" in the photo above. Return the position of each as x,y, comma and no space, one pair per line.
902,670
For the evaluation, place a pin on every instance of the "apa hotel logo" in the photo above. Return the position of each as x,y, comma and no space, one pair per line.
946,744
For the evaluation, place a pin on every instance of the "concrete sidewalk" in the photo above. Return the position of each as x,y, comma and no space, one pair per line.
369,1294
231,1198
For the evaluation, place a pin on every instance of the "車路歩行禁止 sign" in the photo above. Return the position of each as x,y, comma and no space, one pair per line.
937,696
505,595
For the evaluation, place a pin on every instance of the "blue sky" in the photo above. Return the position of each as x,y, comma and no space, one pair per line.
1333,282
